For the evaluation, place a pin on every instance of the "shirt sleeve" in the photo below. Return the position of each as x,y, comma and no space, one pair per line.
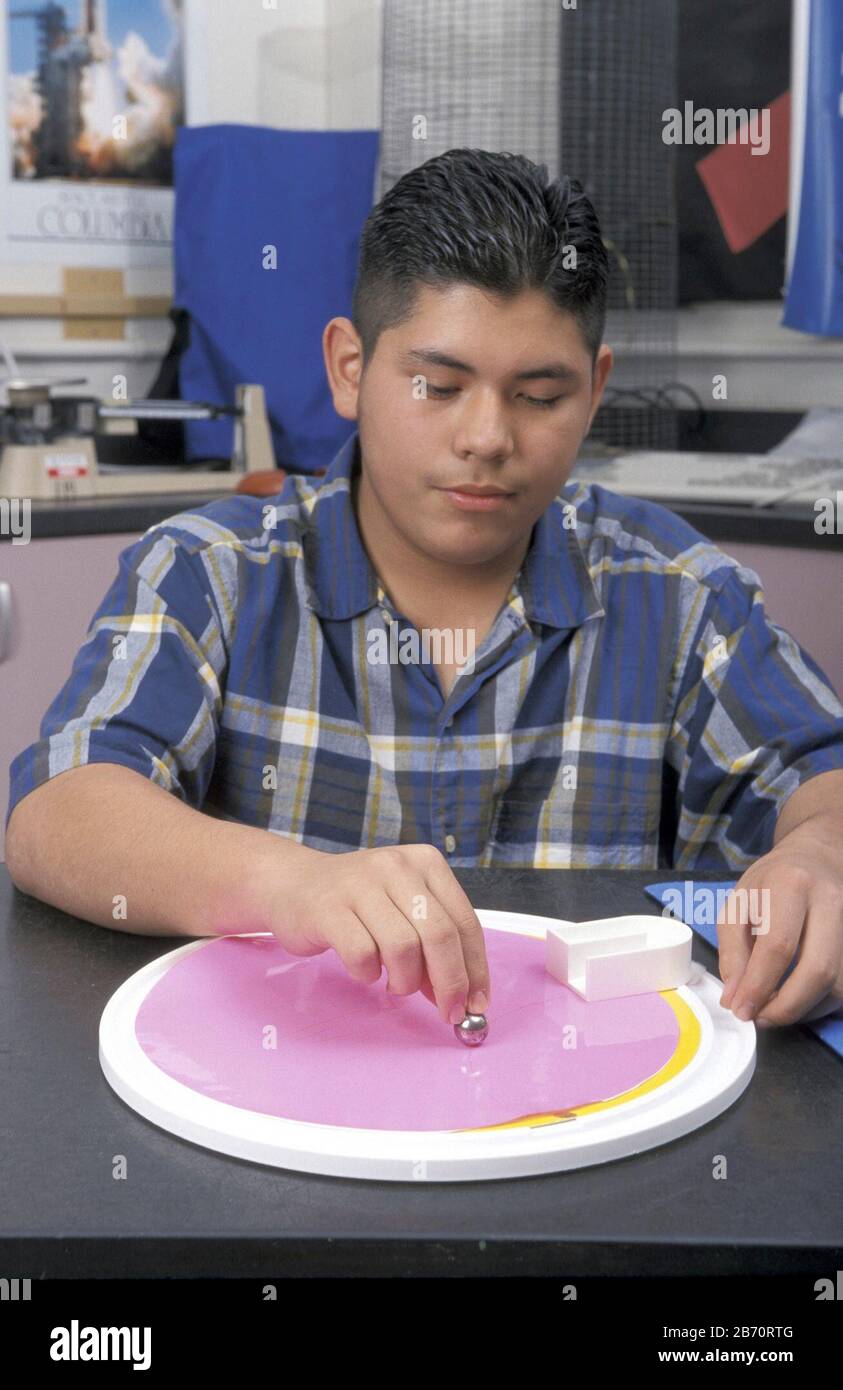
145,688
755,718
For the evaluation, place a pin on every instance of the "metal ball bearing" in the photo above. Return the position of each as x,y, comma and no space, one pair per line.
473,1030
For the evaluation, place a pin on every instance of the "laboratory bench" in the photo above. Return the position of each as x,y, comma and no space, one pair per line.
186,1211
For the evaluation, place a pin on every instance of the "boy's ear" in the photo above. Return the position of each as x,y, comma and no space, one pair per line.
600,375
343,354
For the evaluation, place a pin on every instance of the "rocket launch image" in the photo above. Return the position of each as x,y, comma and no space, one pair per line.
94,95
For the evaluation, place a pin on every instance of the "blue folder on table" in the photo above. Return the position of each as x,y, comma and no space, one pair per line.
696,915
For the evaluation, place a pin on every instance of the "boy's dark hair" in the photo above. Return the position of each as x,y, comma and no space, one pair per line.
486,219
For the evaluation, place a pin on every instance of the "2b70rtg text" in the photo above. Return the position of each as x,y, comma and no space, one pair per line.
695,1333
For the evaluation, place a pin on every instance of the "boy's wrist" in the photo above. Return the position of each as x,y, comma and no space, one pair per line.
253,872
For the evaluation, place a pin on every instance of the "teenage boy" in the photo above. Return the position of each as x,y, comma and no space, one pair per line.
298,717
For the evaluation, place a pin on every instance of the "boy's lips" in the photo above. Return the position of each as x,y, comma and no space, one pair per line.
477,501
479,489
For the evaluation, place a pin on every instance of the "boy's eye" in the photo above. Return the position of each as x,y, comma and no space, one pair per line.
439,392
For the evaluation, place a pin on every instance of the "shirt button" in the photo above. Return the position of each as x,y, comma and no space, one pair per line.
450,843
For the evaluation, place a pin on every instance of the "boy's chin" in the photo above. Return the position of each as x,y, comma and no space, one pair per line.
459,557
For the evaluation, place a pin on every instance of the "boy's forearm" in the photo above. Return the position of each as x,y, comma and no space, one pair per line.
103,843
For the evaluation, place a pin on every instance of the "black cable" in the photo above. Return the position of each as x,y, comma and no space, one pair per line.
657,398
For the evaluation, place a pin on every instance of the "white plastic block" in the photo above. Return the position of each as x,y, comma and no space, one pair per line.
618,956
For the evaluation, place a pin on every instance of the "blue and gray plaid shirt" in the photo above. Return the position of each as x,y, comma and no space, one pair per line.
631,705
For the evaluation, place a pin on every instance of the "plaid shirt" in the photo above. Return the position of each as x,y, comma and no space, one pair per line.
631,705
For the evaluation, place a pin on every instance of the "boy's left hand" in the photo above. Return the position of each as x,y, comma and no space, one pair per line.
797,914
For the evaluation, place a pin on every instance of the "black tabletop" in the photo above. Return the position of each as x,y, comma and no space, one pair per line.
185,1211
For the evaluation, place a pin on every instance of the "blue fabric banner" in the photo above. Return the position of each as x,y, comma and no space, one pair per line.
267,231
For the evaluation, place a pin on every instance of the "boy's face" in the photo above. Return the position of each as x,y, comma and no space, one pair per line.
444,401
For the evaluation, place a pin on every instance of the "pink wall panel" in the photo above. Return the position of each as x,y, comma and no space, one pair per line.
57,585
804,593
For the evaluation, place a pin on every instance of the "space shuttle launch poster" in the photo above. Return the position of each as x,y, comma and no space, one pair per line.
94,96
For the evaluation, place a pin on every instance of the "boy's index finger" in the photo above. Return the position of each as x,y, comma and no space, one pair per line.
734,944
445,961
457,904
773,950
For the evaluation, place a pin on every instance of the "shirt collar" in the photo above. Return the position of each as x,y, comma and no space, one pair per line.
553,582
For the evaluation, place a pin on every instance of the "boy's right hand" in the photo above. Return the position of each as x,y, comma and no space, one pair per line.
400,907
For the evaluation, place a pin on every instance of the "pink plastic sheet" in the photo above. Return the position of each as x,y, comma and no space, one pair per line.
351,1054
